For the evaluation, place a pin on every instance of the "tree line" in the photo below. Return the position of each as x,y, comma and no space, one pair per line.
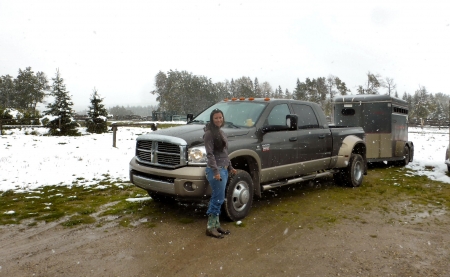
25,91
181,92
28,89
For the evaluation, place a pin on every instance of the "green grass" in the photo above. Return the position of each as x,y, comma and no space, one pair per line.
393,192
75,204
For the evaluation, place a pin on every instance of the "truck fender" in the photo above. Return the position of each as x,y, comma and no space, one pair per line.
346,150
253,167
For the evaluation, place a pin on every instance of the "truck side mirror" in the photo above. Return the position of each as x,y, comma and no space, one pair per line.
291,121
189,117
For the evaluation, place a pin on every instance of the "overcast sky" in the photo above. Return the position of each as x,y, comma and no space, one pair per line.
119,46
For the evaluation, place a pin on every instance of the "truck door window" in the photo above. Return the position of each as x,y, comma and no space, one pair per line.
278,115
306,117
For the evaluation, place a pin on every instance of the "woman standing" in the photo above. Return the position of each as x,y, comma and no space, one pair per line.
216,145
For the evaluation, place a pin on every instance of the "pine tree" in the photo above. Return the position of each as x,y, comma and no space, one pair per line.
60,113
98,115
300,91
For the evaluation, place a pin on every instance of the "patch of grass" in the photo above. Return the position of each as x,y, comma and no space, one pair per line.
149,224
51,203
77,220
186,220
125,222
394,192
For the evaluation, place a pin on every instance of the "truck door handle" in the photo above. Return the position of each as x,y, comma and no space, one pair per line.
322,136
293,139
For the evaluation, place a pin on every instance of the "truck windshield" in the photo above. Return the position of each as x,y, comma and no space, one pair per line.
237,114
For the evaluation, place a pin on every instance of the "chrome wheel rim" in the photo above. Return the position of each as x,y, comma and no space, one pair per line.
240,196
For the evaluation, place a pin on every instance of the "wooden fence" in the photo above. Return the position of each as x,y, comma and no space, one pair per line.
3,125
115,126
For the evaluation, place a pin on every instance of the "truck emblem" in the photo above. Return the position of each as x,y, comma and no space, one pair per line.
265,147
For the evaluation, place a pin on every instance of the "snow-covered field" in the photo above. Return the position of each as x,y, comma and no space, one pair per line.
30,161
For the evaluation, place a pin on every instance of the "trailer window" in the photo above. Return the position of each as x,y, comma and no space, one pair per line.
348,112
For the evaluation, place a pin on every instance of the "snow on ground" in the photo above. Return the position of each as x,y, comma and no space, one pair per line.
430,145
31,161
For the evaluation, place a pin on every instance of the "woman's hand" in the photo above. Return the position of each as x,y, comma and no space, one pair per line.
217,177
233,171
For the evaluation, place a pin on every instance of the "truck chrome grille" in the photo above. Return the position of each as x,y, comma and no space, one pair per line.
157,153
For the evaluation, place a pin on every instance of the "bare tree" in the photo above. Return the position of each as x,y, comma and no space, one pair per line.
389,84
374,82
330,83
266,89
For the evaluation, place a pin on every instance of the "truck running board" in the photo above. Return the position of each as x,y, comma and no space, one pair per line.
298,180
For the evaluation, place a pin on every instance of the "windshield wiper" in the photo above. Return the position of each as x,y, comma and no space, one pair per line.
196,121
232,124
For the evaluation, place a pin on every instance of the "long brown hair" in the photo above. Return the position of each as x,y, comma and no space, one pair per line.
219,141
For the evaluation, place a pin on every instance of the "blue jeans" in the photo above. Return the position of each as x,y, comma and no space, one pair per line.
218,190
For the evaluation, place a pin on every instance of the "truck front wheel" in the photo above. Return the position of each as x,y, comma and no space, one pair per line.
352,175
238,196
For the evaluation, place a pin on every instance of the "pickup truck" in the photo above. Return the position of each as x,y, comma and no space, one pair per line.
271,143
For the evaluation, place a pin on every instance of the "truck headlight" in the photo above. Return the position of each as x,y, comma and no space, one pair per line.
197,155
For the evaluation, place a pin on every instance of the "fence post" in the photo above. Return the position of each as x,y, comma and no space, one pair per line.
114,129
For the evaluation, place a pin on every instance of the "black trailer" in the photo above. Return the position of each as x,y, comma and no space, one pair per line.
385,122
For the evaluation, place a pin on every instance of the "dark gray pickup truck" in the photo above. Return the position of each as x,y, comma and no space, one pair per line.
272,143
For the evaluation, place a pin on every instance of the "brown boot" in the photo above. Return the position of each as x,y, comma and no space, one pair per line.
214,233
222,231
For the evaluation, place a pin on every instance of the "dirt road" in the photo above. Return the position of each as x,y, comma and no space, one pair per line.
369,246
388,228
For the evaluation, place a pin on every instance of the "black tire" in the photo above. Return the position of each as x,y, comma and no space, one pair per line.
352,175
448,168
238,196
406,155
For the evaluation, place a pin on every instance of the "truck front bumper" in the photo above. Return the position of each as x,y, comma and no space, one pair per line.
188,182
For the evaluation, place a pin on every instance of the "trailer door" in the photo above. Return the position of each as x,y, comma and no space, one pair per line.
377,125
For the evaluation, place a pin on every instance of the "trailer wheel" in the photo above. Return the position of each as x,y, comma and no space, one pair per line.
238,196
405,161
352,175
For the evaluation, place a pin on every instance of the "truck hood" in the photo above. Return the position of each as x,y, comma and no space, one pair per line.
191,133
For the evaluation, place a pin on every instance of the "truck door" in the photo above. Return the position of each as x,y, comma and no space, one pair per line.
314,142
279,147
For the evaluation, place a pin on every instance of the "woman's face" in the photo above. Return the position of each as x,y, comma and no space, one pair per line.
218,119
